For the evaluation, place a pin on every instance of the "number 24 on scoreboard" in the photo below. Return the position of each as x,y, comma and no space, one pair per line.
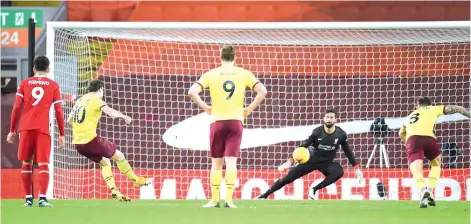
10,38
16,37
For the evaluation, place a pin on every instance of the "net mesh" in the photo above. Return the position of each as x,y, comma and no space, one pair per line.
364,74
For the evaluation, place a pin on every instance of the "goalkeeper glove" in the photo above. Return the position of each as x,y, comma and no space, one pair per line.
285,165
358,174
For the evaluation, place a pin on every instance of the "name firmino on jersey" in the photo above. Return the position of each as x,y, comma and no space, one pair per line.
37,82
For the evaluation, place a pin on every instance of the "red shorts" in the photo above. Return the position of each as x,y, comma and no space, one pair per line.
34,145
96,149
418,147
225,138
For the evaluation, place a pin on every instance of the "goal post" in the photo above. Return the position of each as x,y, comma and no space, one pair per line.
366,70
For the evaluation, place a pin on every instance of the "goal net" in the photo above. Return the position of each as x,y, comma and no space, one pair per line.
364,70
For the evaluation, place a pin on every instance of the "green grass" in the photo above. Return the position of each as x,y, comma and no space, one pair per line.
249,212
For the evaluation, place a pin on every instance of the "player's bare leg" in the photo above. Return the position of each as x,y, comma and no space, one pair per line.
43,184
433,177
126,169
416,168
107,173
215,178
27,179
231,177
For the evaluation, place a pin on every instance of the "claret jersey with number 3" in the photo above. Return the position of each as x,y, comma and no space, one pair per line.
422,121
39,94
227,85
87,113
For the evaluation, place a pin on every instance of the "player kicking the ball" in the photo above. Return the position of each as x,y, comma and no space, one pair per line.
323,144
420,142
227,85
84,120
37,94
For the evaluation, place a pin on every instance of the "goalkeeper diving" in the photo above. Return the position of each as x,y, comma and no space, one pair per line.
84,120
322,144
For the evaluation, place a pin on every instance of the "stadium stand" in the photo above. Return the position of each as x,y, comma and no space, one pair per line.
262,11
89,64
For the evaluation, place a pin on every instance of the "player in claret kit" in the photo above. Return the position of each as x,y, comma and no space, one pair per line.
84,120
227,85
420,142
323,144
37,94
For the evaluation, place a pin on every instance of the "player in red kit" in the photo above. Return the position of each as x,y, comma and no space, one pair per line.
38,94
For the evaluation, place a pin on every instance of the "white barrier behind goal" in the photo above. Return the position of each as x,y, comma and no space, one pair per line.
366,70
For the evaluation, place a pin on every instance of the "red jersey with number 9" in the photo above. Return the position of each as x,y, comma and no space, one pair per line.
39,94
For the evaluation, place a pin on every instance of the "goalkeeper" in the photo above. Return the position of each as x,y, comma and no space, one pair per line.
322,144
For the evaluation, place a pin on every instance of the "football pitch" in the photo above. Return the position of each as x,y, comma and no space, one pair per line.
248,212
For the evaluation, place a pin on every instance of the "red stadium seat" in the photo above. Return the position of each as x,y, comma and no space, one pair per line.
266,11
101,11
205,13
177,13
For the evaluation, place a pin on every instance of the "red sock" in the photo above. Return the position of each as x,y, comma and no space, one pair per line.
27,178
43,180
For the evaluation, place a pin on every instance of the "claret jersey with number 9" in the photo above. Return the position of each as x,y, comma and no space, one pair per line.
87,113
227,85
422,121
39,94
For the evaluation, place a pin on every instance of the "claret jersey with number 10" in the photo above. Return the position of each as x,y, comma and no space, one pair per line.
227,85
